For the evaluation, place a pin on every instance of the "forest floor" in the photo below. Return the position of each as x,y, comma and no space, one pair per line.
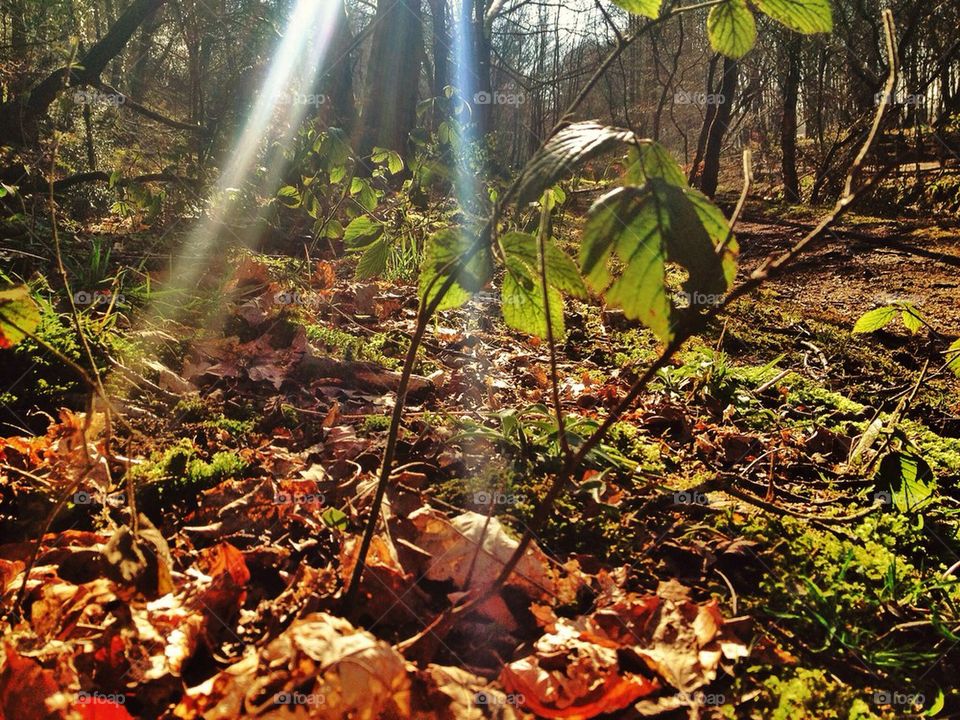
737,548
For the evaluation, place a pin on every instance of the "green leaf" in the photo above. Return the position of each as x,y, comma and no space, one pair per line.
522,302
647,8
562,272
332,229
392,159
394,163
732,28
908,478
442,257
334,519
953,357
875,319
289,196
911,318
374,260
362,231
19,315
364,194
805,16
574,144
645,228
652,160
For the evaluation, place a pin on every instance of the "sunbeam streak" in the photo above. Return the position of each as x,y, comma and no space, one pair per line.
295,65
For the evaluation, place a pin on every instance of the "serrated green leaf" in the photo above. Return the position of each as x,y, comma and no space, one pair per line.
732,28
804,16
19,315
645,228
522,302
574,144
875,319
953,357
289,196
911,318
374,260
394,163
333,229
908,478
652,160
562,272
362,231
647,8
442,257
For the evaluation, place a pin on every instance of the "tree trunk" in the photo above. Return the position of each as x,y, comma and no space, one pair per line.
718,128
711,113
19,117
441,46
140,60
390,98
788,125
336,76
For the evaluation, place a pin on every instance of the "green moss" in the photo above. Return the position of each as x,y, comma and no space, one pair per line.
179,467
812,694
943,454
811,395
634,346
190,409
379,348
637,446
237,428
375,423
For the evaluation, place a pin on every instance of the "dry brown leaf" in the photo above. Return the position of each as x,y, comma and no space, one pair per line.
569,676
320,667
451,693
29,691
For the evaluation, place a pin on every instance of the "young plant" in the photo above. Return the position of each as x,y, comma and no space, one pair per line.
651,221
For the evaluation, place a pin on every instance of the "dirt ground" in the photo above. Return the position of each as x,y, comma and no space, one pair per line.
865,263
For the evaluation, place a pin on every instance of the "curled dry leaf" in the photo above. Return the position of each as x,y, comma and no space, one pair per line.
571,676
320,667
443,692
574,671
471,549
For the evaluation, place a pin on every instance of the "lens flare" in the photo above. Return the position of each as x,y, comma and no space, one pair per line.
296,63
